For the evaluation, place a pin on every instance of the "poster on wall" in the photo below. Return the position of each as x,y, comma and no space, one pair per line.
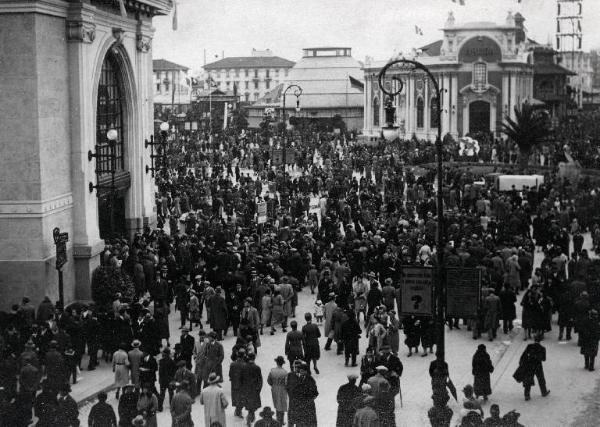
463,292
417,291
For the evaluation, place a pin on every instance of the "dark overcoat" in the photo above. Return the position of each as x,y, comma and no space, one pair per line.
302,393
482,368
252,383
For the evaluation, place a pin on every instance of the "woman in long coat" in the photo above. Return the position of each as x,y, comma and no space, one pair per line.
482,368
412,332
277,379
350,334
120,362
302,392
393,334
589,335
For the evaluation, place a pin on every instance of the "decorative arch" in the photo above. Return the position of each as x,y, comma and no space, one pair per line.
480,48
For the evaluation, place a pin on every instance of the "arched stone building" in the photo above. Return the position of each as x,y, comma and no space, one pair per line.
484,69
72,70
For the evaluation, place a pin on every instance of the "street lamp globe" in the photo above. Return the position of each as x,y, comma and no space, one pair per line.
164,127
389,132
112,135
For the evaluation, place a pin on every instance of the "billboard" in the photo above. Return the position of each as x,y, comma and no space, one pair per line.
463,292
417,291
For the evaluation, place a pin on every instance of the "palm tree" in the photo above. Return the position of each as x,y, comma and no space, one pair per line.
528,129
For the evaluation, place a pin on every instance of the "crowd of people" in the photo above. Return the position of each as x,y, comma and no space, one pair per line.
341,222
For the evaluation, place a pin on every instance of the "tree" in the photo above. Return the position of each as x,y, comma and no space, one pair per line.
239,119
527,130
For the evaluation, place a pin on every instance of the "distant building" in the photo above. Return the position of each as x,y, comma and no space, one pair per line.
172,87
484,69
550,80
332,85
582,79
253,75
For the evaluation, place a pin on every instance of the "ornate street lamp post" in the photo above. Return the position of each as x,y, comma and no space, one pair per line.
297,93
389,132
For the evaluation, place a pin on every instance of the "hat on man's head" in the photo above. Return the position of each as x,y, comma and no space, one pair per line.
352,377
468,388
185,329
166,350
138,421
181,364
280,360
213,378
381,368
266,412
213,335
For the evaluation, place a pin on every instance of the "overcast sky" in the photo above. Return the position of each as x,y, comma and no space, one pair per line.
370,27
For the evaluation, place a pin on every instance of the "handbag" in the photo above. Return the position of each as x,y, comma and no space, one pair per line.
519,374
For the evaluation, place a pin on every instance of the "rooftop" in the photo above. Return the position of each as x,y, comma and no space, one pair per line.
164,65
249,62
547,68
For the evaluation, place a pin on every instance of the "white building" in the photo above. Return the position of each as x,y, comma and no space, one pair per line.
253,76
172,85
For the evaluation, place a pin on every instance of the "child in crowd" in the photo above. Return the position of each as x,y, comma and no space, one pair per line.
319,312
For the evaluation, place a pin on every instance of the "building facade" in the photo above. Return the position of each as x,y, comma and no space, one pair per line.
484,70
72,71
332,85
253,76
172,86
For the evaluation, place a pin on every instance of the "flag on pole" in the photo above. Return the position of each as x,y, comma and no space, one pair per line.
461,2
122,7
356,84
418,30
174,15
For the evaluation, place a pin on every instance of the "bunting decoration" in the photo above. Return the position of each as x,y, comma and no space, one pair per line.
174,15
122,7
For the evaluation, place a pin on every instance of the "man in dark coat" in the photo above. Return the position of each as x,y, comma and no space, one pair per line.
252,383
102,414
293,343
92,333
589,334
350,333
394,366
310,339
235,376
530,366
302,392
218,313
187,346
166,374
347,398
67,412
56,369
46,406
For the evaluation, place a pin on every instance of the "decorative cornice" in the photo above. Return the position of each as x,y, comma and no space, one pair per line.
35,208
43,7
143,43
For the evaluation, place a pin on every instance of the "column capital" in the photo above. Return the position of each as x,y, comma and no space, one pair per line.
80,23
143,43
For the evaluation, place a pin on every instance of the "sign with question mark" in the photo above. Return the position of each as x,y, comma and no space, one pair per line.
416,286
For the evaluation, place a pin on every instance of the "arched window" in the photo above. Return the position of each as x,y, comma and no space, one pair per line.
433,114
109,114
420,112
376,111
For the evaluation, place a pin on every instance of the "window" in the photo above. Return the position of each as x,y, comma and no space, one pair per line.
286,72
267,84
256,84
158,87
109,115
420,111
247,97
166,82
246,85
256,96
227,73
433,113
255,74
268,73
246,71
237,72
376,111
277,73
479,77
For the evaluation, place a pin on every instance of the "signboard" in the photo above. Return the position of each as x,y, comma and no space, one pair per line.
417,291
261,211
463,292
277,158
60,240
480,49
290,156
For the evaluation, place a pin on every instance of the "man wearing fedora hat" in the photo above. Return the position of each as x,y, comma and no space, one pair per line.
187,346
277,379
214,400
267,418
166,374
346,398
252,382
135,357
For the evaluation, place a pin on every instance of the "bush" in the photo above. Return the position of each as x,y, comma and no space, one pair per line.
107,281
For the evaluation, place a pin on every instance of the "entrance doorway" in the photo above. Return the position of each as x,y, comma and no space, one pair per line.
118,228
479,117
